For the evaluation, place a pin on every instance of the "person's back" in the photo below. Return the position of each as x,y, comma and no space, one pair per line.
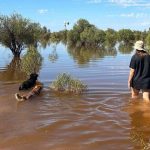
139,78
141,64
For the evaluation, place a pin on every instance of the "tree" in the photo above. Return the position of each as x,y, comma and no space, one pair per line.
137,35
17,32
85,34
111,37
125,35
148,41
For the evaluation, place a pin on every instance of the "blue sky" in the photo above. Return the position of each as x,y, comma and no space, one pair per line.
116,14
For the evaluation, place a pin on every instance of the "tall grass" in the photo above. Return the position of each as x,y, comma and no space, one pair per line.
66,83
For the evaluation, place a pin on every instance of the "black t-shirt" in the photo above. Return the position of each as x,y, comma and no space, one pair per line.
141,78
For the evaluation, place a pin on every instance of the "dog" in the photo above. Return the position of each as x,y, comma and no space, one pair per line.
29,83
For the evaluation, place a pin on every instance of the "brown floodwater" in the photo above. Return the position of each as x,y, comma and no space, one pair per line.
102,118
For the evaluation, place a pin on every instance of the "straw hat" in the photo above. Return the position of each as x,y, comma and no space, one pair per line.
139,45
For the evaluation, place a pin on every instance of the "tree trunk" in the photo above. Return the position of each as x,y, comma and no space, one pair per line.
16,54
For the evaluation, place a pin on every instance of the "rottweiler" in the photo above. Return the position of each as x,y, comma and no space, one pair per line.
29,83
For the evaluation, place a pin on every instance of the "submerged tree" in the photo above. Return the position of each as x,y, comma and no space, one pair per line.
17,32
110,38
32,61
126,36
85,34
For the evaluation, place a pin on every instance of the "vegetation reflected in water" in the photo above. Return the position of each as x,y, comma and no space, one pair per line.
12,71
83,55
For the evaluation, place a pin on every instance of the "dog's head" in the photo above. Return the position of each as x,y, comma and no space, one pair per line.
33,76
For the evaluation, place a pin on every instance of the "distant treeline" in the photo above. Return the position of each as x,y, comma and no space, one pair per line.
18,33
87,35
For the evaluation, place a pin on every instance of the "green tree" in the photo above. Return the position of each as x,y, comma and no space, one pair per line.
125,35
111,37
148,41
17,32
137,35
85,34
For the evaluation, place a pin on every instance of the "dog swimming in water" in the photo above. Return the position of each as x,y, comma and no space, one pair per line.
29,83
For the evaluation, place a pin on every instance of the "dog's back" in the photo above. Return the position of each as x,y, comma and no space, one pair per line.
29,83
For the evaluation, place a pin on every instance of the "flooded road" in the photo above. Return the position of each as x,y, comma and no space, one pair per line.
102,118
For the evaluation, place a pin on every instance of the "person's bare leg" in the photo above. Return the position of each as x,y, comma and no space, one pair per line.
146,95
134,93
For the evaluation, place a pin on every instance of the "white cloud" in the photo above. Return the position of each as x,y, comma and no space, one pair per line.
129,3
146,23
134,15
94,1
42,11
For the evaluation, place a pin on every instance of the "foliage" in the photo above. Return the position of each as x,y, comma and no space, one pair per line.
45,37
148,40
138,35
125,35
31,61
85,34
17,32
66,83
55,37
111,37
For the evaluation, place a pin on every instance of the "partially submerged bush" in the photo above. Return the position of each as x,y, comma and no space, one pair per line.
66,83
32,61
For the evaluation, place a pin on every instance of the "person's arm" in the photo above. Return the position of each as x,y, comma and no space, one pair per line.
130,77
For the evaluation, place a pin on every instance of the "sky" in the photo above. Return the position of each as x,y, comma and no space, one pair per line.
115,14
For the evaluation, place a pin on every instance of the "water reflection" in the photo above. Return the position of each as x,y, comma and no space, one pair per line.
125,48
83,55
19,69
139,113
12,71
53,56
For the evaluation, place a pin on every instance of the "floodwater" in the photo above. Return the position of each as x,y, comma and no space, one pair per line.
102,118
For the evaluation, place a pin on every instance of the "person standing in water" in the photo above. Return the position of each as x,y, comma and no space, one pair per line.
139,76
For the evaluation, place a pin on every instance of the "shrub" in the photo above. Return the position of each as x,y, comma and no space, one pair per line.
31,62
65,83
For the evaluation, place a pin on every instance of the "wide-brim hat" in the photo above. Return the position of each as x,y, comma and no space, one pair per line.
139,45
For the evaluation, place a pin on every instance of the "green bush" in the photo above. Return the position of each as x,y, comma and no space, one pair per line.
65,83
31,61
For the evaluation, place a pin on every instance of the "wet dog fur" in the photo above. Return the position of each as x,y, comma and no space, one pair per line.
29,83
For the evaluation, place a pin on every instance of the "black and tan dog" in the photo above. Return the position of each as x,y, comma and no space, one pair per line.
32,83
29,83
